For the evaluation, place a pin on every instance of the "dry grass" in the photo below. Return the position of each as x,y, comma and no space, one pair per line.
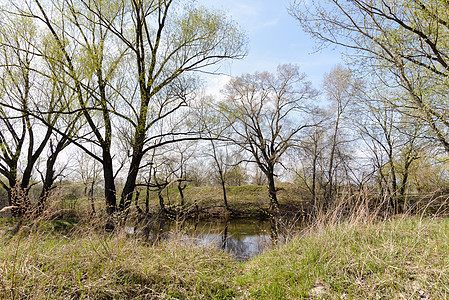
351,252
404,258
95,266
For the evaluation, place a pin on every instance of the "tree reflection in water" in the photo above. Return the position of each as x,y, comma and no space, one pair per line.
240,237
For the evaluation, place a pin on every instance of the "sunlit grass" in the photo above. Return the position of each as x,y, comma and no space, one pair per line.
99,266
401,258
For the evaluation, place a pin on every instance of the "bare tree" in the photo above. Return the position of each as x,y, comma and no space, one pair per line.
394,140
227,167
341,88
310,153
264,111
89,171
176,160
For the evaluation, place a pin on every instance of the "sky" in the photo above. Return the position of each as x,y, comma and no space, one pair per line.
275,38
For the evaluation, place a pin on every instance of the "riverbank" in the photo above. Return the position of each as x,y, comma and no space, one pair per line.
200,203
402,258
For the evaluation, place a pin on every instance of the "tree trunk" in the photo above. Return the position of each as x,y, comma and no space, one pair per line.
91,196
161,199
47,184
394,187
314,167
12,182
136,202
225,198
274,204
147,199
109,184
402,204
130,184
220,173
181,193
32,159
49,179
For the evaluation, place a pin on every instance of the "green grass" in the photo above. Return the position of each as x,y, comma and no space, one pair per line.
237,195
403,258
246,200
114,267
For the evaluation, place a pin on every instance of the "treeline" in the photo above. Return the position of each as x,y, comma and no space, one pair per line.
111,90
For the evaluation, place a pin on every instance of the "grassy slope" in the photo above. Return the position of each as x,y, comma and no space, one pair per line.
246,199
396,259
237,194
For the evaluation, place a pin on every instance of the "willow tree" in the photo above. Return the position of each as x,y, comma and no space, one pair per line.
265,112
170,40
405,43
28,95
70,48
131,64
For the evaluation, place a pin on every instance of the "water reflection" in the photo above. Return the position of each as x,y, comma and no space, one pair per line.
244,239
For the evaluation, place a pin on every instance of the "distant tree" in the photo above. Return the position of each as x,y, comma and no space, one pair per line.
226,167
89,171
237,175
221,167
394,140
341,88
259,178
310,154
198,174
176,160
264,110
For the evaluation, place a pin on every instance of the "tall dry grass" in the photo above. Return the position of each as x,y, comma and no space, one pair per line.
357,249
85,264
352,251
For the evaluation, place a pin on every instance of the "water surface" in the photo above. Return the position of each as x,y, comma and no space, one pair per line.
242,238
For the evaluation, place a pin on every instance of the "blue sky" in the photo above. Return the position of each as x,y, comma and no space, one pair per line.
274,38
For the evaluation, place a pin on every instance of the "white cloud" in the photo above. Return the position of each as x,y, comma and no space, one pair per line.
215,84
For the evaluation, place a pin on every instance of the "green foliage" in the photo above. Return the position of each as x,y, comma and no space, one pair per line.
200,30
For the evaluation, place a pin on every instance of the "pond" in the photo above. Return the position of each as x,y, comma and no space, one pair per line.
242,238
